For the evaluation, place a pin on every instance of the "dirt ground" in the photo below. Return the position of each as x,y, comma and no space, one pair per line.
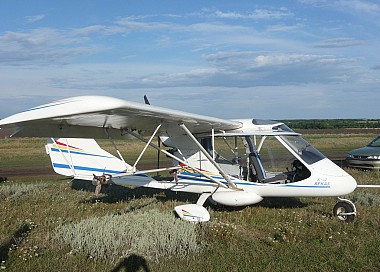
26,171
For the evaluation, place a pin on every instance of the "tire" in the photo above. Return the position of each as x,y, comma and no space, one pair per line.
344,207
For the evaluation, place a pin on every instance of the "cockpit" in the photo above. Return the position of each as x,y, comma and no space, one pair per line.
281,156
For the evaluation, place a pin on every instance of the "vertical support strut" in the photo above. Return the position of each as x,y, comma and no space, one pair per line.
176,158
114,145
158,153
260,144
208,156
146,146
213,143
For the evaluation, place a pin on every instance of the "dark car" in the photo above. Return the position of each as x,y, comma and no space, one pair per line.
367,157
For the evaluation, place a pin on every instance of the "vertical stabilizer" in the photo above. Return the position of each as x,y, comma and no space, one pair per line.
82,158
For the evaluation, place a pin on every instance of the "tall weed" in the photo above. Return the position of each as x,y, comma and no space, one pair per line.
17,190
152,234
366,199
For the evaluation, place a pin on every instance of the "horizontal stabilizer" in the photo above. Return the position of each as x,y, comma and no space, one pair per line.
82,158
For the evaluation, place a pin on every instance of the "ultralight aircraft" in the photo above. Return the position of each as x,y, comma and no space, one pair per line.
229,162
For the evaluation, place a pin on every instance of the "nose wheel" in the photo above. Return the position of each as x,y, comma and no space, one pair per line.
345,210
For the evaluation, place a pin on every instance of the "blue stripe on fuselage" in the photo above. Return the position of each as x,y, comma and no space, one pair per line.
198,177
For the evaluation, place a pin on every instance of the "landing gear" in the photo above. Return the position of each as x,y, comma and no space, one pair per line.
345,210
194,212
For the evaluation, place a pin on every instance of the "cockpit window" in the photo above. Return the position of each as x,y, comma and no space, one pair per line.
229,149
305,150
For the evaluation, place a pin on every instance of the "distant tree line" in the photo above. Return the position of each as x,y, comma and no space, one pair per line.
332,123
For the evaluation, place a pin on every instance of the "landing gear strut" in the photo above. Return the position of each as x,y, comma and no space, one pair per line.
345,210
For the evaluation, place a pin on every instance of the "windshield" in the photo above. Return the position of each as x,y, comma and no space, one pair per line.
375,142
305,150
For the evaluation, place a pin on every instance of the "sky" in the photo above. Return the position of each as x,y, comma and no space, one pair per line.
302,59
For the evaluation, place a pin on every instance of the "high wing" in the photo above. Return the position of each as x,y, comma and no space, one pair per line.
82,116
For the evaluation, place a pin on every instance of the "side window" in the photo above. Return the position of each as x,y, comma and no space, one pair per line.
207,144
227,149
230,149
274,156
275,159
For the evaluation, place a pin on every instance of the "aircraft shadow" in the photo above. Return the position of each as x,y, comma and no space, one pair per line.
132,263
268,202
116,193
282,203
18,236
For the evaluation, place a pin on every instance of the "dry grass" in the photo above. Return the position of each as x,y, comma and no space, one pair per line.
152,234
17,190
275,235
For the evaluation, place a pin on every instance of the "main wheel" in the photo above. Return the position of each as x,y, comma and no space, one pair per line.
344,211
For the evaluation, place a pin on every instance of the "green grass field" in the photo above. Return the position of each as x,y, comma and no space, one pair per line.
52,224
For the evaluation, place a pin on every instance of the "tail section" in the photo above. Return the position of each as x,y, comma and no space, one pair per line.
82,158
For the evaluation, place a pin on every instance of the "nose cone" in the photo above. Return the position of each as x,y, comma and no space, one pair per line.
344,185
341,183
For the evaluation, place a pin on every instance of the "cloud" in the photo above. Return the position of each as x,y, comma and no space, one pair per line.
249,69
33,19
316,3
283,28
240,69
134,25
256,60
339,42
253,59
359,5
257,14
97,29
42,46
355,7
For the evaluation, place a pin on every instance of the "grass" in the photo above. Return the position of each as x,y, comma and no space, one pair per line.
151,234
292,234
23,152
17,190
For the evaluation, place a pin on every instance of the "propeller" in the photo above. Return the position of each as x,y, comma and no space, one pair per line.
146,100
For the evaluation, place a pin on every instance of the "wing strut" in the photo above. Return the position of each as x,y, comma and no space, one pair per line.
208,156
146,146
117,150
175,158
